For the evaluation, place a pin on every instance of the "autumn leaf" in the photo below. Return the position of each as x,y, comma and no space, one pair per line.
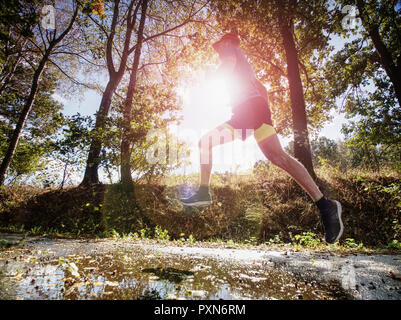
394,276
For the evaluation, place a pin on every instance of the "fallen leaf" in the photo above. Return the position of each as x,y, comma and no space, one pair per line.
17,276
198,293
73,269
78,284
394,276
90,268
111,283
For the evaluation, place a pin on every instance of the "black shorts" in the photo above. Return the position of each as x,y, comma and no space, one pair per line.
252,117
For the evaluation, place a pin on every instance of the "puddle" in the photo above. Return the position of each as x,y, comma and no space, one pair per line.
56,271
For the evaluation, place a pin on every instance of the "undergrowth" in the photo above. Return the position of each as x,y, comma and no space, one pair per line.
267,207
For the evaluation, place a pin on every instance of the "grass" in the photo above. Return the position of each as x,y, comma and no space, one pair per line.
303,242
266,208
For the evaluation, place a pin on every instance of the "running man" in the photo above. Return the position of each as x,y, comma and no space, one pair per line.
251,113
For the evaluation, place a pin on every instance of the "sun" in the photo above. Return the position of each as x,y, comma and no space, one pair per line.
216,91
206,103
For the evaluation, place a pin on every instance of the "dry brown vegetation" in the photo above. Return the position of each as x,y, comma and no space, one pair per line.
267,204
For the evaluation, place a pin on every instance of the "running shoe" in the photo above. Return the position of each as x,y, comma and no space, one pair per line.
199,199
331,219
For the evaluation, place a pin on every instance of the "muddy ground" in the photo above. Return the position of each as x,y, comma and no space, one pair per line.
44,268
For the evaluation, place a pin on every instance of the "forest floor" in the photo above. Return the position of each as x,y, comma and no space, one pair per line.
37,267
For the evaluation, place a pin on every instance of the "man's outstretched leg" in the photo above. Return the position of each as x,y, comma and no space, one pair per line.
221,135
330,210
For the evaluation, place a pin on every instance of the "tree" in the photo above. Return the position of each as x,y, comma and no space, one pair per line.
70,147
15,26
366,75
53,39
151,170
126,178
42,123
382,23
153,102
286,42
115,75
300,127
131,15
325,148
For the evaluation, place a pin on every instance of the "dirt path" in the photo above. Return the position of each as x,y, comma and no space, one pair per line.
42,268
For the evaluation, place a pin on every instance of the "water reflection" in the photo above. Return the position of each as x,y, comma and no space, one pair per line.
170,274
140,274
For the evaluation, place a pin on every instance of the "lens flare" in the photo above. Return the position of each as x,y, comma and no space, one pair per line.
216,92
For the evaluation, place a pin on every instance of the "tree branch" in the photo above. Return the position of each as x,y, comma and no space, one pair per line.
257,55
186,21
79,56
110,38
69,77
308,80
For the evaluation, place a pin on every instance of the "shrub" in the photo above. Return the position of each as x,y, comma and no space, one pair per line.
307,239
265,205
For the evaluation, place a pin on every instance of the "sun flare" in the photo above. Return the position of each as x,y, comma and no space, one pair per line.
215,90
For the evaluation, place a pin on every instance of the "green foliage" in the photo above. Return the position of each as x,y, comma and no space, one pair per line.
267,206
161,234
191,239
352,153
119,211
251,241
94,7
12,13
75,135
324,148
393,190
70,148
358,75
148,132
350,243
114,233
271,208
42,124
143,233
257,24
307,239
36,210
275,241
35,230
394,244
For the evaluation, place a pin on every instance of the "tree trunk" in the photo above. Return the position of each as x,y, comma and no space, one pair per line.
393,71
64,175
302,149
126,177
92,164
